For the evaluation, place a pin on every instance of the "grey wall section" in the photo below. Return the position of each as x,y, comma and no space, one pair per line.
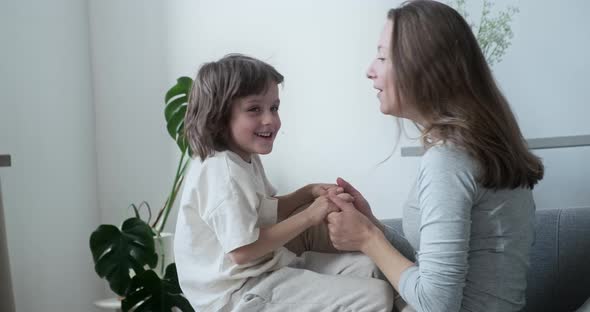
6,292
47,125
537,143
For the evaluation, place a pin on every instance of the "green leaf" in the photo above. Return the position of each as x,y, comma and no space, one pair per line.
150,293
176,105
173,106
176,123
182,86
116,252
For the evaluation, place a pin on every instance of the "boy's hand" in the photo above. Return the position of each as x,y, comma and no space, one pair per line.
344,196
321,189
319,209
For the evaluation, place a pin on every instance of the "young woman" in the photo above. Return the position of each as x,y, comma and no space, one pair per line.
470,214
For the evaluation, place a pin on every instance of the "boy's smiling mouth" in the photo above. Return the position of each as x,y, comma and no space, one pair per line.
265,135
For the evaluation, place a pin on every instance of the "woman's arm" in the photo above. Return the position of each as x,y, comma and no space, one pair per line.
389,260
436,285
360,203
352,231
446,190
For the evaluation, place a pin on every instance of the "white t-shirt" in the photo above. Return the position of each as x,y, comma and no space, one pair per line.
224,202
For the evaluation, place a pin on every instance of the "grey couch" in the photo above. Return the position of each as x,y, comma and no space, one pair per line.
559,276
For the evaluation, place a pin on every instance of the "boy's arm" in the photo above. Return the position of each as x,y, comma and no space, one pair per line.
272,237
290,202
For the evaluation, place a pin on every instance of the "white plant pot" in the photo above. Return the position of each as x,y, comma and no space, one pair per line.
164,245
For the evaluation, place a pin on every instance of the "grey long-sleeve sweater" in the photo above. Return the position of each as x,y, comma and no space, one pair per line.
472,244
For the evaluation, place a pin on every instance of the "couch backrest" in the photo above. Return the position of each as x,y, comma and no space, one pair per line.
559,276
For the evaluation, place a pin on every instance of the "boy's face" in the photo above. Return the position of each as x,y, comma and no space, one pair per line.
254,123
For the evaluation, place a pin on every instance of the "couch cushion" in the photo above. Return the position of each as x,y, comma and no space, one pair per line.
574,258
542,277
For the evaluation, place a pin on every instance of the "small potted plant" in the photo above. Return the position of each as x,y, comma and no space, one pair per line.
493,33
126,257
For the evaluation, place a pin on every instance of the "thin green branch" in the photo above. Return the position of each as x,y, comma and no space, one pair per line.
493,33
178,179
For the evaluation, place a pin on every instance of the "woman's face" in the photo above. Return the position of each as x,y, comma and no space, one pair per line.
381,72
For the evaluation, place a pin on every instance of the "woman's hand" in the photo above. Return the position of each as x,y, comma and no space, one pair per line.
361,204
349,229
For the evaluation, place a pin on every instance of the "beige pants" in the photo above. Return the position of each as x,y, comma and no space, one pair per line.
317,239
319,282
320,279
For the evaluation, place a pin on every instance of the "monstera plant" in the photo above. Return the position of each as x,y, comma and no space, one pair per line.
126,257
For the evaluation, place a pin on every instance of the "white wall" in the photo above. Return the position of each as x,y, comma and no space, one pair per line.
545,76
134,151
67,177
331,122
47,125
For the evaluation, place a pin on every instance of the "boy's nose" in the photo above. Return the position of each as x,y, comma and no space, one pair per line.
268,119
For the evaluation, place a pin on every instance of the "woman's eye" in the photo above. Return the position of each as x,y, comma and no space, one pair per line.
254,109
274,109
381,59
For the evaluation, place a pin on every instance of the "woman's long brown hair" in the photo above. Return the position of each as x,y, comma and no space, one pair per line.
439,69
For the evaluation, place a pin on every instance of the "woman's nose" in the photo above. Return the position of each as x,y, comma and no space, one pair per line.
370,72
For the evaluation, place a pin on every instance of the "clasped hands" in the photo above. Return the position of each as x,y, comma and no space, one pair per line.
348,216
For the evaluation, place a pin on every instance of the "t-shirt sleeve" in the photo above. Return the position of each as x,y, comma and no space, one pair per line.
234,221
270,190
446,192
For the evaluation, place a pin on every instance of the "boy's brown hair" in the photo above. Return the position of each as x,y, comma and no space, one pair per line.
215,88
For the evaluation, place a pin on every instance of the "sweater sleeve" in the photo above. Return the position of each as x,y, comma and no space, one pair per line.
446,192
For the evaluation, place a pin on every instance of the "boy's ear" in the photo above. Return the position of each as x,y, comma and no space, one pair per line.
224,136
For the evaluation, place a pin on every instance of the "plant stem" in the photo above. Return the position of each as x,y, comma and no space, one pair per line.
175,188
